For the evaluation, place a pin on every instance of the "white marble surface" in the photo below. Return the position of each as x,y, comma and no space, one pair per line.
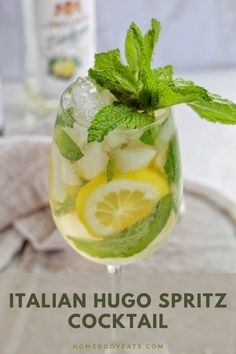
194,33
208,150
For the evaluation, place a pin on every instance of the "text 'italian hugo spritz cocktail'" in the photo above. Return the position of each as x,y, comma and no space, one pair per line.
114,178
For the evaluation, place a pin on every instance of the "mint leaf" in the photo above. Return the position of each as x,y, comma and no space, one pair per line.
163,73
110,168
132,240
112,74
109,61
173,170
68,148
215,109
116,116
177,91
156,81
67,206
139,52
138,49
151,38
65,119
132,48
172,166
149,137
209,106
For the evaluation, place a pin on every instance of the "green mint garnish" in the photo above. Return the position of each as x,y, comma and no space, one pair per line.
150,136
128,83
179,91
132,240
116,116
110,73
110,168
67,206
216,109
173,169
138,49
142,88
65,119
68,148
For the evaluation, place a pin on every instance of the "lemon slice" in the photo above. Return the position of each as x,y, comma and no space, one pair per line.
107,208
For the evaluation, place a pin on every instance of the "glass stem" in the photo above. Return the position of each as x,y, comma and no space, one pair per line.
114,269
115,274
182,207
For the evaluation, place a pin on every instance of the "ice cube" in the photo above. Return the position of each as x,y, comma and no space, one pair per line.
93,162
118,137
161,158
88,99
69,175
115,139
78,134
166,133
132,159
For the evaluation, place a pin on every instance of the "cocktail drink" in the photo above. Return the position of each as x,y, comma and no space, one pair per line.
115,178
118,202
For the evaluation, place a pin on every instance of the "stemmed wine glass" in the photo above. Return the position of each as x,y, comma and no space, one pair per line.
113,201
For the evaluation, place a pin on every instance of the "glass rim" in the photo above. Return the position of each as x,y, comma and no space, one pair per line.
162,112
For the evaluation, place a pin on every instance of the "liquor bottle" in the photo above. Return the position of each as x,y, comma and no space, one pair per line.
60,46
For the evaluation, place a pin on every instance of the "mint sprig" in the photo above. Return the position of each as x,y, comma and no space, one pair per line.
140,87
129,83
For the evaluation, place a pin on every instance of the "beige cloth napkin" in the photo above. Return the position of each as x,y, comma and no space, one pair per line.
24,211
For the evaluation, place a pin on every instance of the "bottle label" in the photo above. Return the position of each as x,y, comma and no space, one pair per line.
65,35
